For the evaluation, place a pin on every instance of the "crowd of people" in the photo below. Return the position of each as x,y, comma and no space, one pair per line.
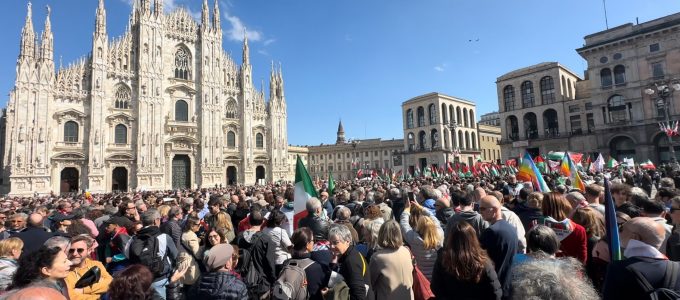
487,237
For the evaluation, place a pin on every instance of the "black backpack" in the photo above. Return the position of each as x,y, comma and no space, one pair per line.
255,268
144,250
671,285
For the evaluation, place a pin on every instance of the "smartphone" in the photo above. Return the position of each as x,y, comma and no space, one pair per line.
411,196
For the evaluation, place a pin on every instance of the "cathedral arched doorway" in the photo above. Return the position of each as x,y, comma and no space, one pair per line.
69,180
119,179
181,172
259,173
231,175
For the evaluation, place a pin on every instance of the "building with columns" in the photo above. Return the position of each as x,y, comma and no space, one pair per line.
489,139
161,107
439,129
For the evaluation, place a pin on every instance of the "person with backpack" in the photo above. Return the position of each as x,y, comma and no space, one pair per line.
301,277
256,267
153,249
351,264
645,273
220,281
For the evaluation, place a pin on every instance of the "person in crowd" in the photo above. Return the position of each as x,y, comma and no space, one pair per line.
35,235
219,282
47,266
34,292
594,193
118,237
342,215
128,209
17,223
657,211
444,209
279,237
673,243
641,238
572,236
468,214
172,226
317,278
223,220
499,240
350,263
549,278
215,237
10,251
135,283
368,228
78,253
190,253
315,219
391,268
541,242
385,209
425,240
593,223
463,269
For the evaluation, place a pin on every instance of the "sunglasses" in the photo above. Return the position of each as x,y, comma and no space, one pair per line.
80,250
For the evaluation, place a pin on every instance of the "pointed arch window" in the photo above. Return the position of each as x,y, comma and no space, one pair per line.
120,134
182,63
71,132
259,141
231,140
231,109
181,111
122,97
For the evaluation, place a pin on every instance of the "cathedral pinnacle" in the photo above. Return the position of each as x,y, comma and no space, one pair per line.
28,35
158,8
205,15
217,25
246,50
100,20
47,38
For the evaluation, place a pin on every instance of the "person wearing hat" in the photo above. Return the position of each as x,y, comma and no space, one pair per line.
115,228
220,281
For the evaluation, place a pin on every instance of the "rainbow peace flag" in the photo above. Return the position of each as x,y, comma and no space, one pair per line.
610,223
529,172
568,169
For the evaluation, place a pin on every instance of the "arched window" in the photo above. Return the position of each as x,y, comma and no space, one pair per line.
182,63
120,136
619,74
432,109
551,123
259,141
461,143
421,140
473,139
122,97
409,118
530,126
445,120
547,90
509,97
421,116
71,132
231,139
467,140
527,90
472,119
181,111
617,108
231,109
434,137
465,117
452,114
459,119
411,140
606,77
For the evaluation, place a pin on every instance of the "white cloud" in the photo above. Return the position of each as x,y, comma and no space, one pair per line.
440,68
235,33
169,6
269,41
263,52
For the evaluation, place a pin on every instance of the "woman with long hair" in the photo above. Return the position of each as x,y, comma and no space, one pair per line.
303,244
593,223
463,269
279,238
48,265
425,240
133,283
572,236
223,220
391,268
190,254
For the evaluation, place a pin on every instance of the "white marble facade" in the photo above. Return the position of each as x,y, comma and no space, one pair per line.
163,106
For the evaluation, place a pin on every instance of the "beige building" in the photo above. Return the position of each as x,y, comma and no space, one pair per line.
293,153
491,119
608,112
162,106
345,158
438,129
489,139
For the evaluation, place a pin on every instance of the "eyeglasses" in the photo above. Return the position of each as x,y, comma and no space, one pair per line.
335,242
214,237
72,250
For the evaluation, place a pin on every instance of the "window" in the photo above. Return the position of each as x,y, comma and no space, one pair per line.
386,163
574,108
339,167
421,140
339,155
606,77
547,90
366,154
590,120
347,156
120,134
376,164
259,141
619,74
231,109
617,108
434,138
589,105
182,64
375,153
411,142
617,56
349,166
657,70
432,109
654,47
181,111
71,132
385,152
409,118
603,60
575,124
231,140
527,94
421,116
122,97
321,168
509,97
330,167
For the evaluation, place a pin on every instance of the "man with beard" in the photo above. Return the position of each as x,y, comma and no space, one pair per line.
78,254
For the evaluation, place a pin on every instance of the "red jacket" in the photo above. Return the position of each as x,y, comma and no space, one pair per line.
576,244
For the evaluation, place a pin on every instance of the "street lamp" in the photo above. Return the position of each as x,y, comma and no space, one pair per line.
453,126
664,92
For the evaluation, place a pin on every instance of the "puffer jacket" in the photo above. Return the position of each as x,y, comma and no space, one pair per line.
218,286
318,225
425,258
8,267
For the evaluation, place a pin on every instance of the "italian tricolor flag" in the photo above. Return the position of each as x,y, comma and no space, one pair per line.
304,189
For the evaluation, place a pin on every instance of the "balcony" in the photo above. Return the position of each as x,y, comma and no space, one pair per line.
552,132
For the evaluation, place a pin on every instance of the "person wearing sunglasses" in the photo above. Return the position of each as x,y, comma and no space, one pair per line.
673,243
78,254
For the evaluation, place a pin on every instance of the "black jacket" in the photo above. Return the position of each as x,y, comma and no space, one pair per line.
447,286
621,283
444,214
318,226
172,228
673,245
33,238
218,286
527,214
354,268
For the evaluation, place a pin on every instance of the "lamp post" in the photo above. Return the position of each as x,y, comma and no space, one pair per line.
453,126
664,91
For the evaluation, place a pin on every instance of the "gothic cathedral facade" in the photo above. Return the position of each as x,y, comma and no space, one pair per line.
161,107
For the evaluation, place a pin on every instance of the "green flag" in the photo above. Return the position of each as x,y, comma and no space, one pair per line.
331,183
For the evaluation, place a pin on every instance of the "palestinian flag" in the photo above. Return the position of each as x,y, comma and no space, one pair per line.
494,171
360,173
304,189
612,163
449,168
540,164
648,165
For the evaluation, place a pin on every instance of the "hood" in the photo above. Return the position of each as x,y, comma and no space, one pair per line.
469,215
148,231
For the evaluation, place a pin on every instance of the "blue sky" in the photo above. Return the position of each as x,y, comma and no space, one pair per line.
358,60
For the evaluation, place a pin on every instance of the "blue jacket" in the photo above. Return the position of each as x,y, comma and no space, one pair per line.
218,286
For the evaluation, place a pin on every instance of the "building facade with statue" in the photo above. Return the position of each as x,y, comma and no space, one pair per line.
161,107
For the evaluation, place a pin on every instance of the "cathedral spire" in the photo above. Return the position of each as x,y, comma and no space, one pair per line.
27,35
47,43
145,7
158,8
100,20
205,15
246,50
281,92
217,25
341,134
